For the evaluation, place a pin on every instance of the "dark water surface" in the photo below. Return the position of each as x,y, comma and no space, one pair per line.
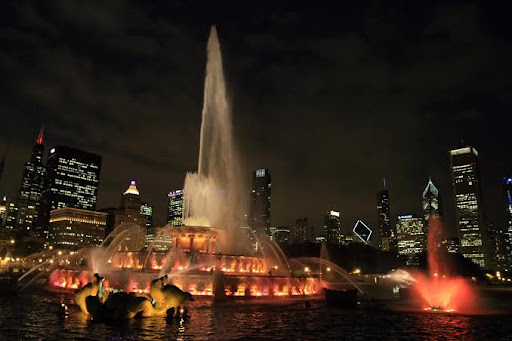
33,315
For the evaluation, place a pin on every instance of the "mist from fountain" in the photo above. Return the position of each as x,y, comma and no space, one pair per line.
212,196
438,290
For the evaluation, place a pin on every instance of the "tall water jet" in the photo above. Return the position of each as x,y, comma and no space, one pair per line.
212,195
439,290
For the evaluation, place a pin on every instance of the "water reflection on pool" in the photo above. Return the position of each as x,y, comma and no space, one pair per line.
33,315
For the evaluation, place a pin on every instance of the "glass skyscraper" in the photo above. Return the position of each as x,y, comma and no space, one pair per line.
175,208
147,211
260,205
507,183
72,180
468,204
387,232
332,227
411,237
431,202
303,230
24,208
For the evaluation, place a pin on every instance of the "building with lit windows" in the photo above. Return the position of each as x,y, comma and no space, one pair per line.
280,234
73,228
260,204
72,181
303,230
497,248
412,239
147,211
129,217
175,208
23,210
431,201
332,227
452,245
3,211
387,231
468,204
507,186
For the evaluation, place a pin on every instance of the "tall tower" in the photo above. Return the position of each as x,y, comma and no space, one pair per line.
468,204
332,227
259,215
303,230
72,180
26,205
387,232
507,184
175,208
431,202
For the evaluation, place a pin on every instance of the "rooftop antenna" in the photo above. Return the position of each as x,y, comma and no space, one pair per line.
40,137
384,182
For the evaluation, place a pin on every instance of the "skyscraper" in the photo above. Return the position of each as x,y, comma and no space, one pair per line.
147,211
507,184
175,208
332,227
129,217
468,203
387,232
72,181
431,202
259,213
25,206
412,239
303,230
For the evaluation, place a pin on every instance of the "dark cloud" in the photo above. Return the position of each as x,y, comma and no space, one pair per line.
330,98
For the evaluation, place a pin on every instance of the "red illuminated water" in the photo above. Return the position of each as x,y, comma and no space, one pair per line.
439,290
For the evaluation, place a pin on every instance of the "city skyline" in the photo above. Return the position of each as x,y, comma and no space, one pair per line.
339,163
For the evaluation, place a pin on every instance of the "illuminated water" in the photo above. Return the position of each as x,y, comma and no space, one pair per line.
33,316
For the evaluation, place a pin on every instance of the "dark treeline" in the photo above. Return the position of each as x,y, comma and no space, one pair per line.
372,260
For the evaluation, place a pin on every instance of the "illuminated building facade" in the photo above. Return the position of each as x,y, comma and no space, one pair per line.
147,211
332,227
387,232
498,249
362,232
303,230
175,208
431,202
280,234
507,183
3,211
23,210
260,204
452,245
72,181
73,228
412,239
468,203
129,217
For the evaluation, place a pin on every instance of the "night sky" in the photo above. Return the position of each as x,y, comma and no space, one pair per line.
330,99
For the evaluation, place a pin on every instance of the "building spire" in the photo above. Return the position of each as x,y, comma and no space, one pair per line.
132,189
384,182
40,137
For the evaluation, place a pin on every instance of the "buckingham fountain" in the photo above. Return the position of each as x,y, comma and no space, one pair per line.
214,255
211,255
